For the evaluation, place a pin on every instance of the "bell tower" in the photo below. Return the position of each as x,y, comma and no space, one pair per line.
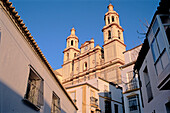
71,49
113,36
113,43
70,52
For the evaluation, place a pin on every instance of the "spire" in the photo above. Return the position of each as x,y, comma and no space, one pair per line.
110,7
73,31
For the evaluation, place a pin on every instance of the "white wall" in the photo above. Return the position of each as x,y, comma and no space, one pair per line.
159,97
15,57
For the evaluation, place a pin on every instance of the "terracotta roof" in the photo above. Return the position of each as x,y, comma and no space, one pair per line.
32,42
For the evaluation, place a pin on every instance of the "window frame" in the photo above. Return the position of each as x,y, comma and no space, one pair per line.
40,98
147,84
109,34
53,103
156,31
132,98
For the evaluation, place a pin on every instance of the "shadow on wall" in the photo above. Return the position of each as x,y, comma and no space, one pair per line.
12,102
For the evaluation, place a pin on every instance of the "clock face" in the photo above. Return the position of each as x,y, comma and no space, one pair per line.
86,48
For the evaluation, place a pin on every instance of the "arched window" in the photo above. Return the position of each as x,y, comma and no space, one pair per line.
85,66
112,18
108,20
71,42
67,56
109,34
74,54
118,34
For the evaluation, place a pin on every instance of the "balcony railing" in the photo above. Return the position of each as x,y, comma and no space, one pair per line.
93,101
132,85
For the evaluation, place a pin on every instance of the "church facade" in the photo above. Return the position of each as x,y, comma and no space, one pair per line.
91,61
91,74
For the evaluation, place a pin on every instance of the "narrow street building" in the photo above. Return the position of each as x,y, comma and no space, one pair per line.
130,82
27,81
153,63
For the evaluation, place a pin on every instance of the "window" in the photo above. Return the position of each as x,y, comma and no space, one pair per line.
34,92
118,34
55,108
105,88
167,30
85,66
73,65
158,40
167,105
117,19
112,18
159,53
116,108
132,103
74,54
109,34
132,83
130,75
108,106
148,84
108,20
73,96
71,42
92,93
67,56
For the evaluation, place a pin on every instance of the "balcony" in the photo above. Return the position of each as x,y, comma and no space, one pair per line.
131,85
93,102
107,94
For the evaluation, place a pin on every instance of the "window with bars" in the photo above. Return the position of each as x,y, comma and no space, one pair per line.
34,93
55,108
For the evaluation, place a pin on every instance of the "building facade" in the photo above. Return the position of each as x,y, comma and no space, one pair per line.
93,60
97,96
153,63
130,82
91,73
27,81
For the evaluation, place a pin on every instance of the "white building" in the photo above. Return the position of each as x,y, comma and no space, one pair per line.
27,81
97,95
153,63
130,83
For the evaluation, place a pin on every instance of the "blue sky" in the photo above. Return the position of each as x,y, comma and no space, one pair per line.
50,21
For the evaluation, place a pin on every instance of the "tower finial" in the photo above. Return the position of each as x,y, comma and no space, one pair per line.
110,7
73,31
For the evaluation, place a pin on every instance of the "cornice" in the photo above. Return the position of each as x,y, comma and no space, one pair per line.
65,50
113,23
113,41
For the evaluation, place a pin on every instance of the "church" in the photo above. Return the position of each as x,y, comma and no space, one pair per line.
91,74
